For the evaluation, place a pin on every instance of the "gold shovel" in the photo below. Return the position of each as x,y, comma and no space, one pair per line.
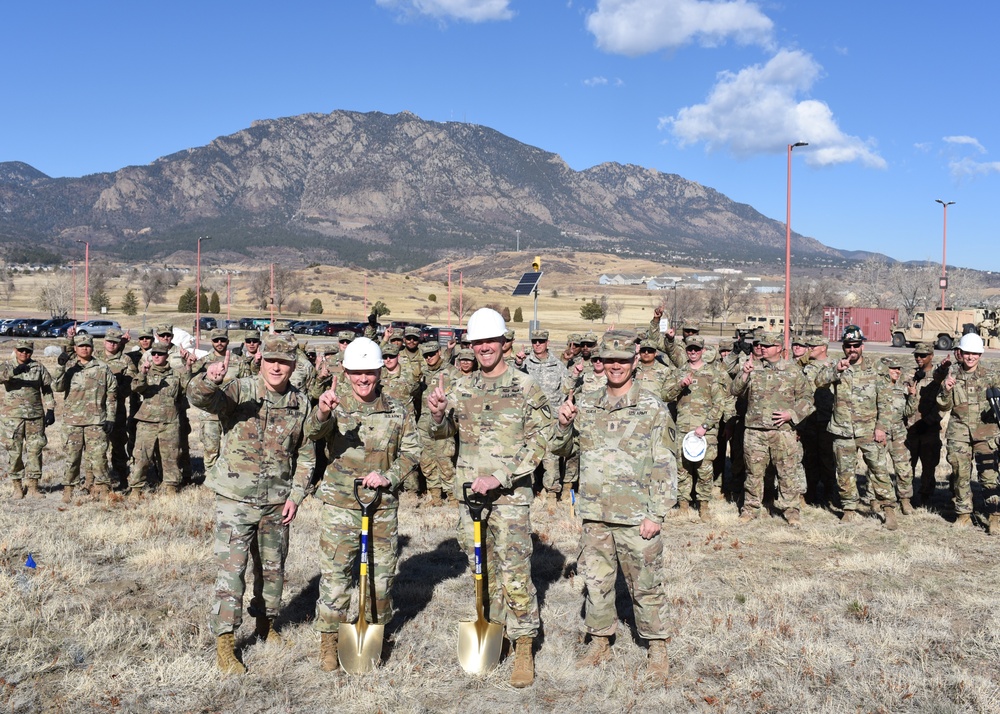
359,646
479,641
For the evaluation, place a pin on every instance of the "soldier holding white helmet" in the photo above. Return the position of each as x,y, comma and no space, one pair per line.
970,428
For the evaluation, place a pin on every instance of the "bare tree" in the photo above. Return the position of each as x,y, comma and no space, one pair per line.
286,284
912,288
154,286
807,300
99,275
56,295
966,288
727,295
430,311
870,279
7,286
466,306
615,309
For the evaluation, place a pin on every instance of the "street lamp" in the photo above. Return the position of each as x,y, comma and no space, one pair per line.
197,297
86,280
673,315
517,232
788,246
944,249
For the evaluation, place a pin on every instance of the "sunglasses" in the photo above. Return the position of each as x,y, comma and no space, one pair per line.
647,350
251,341
23,350
220,339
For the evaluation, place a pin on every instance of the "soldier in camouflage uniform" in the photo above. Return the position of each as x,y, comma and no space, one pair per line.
700,394
89,392
26,408
549,372
628,483
859,421
211,429
923,417
124,370
395,381
572,349
371,436
895,436
466,361
667,341
136,355
249,365
651,374
971,428
259,479
778,397
179,358
503,423
157,429
437,456
818,459
409,356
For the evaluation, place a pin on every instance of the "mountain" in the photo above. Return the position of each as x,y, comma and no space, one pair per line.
392,191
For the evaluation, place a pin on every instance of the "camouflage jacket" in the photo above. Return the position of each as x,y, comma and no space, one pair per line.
672,346
772,387
971,415
503,426
89,392
628,471
586,381
261,459
304,373
201,367
859,399
549,373
362,437
161,390
701,403
125,373
248,366
428,383
414,362
27,390
654,378
400,386
895,404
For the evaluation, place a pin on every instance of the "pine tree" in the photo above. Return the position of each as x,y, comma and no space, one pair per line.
187,302
130,303
518,315
592,311
316,306
213,304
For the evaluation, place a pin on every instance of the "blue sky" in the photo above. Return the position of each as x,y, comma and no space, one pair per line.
897,101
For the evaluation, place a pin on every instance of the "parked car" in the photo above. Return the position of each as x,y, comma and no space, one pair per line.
332,328
305,327
208,323
22,327
246,323
45,329
60,330
232,325
96,328
7,324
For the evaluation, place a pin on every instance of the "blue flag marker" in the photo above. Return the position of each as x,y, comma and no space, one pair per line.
30,562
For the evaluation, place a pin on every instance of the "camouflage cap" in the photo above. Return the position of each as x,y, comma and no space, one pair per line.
800,340
429,348
390,350
279,347
466,354
159,348
649,344
396,337
538,335
923,348
509,335
690,326
146,333
817,341
345,336
412,332
892,362
573,338
218,334
769,339
113,335
589,337
83,340
694,341
251,335
24,345
725,345
164,328
618,344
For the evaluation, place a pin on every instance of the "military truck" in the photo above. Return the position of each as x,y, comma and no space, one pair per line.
944,328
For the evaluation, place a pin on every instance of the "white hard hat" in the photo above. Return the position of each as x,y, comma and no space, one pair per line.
362,354
694,447
485,324
971,342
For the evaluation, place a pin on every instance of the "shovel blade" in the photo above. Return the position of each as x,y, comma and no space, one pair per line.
359,647
479,645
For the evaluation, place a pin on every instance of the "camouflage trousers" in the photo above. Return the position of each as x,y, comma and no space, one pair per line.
780,447
898,462
924,444
150,436
23,440
340,546
90,443
211,438
437,461
604,547
507,547
244,531
961,456
818,460
846,450
696,477
551,477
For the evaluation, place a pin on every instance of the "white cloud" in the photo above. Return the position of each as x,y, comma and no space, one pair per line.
469,10
970,168
757,111
636,27
595,82
967,141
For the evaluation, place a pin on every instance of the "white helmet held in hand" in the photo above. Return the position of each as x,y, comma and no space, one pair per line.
971,342
694,447
485,324
362,354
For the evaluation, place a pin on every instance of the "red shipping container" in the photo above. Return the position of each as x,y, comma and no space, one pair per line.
875,322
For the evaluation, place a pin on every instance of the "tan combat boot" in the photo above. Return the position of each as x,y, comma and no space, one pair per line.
100,490
993,527
88,483
598,651
964,520
747,515
683,509
225,655
523,674
170,489
542,497
33,491
67,496
850,517
18,492
905,507
704,513
889,513
658,664
434,497
328,651
265,631
793,517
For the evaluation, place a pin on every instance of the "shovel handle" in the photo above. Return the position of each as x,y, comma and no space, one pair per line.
366,506
476,502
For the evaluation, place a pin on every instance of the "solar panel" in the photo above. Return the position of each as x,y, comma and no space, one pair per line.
527,284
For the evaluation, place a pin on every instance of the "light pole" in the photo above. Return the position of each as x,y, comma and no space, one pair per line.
788,246
86,280
197,297
517,232
673,315
944,249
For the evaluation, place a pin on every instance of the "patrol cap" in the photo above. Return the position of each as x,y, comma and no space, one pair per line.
509,335
429,348
113,334
146,333
817,341
538,335
84,340
892,362
390,350
694,341
648,344
690,326
725,345
574,338
800,340
164,328
922,348
466,354
159,348
395,338
412,332
218,334
769,339
588,337
251,335
24,345
279,347
346,336
618,344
